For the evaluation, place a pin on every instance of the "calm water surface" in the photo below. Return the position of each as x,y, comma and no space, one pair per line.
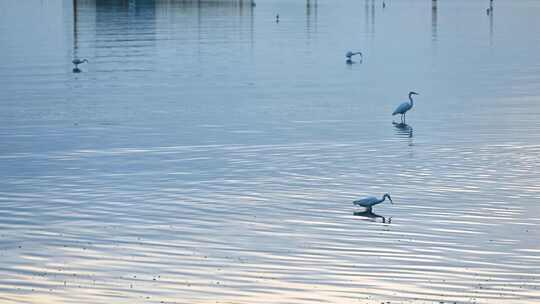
208,154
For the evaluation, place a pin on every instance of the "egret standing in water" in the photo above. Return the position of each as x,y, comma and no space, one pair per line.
78,61
404,107
371,201
350,54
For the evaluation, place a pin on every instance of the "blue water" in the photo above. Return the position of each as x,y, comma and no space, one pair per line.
209,154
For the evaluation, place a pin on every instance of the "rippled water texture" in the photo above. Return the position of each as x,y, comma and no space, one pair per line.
208,154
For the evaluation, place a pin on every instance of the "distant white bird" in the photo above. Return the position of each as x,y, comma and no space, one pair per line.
350,54
371,201
78,61
404,107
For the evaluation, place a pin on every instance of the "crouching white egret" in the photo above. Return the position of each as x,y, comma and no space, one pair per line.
78,61
350,54
404,107
371,201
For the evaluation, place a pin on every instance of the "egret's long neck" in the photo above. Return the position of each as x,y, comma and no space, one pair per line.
410,98
382,199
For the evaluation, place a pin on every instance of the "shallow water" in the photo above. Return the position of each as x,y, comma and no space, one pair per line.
209,154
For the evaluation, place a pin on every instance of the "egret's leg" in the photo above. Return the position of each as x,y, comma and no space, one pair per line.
404,118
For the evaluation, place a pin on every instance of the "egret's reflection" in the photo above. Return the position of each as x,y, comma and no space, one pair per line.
76,70
371,216
403,129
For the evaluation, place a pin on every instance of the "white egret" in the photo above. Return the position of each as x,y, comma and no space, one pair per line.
371,201
350,54
404,107
78,61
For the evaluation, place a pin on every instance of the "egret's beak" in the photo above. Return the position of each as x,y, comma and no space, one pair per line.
390,199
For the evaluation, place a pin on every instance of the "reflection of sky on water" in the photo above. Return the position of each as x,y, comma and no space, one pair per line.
194,216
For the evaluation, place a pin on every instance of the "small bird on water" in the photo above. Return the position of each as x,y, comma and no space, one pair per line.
371,201
350,54
404,107
78,61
